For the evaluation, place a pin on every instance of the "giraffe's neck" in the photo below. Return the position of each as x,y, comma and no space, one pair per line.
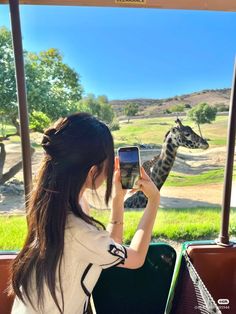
147,165
163,165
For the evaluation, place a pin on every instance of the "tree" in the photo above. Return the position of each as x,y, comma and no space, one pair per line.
177,108
131,109
222,108
102,99
106,110
8,104
99,107
52,86
89,104
201,114
4,177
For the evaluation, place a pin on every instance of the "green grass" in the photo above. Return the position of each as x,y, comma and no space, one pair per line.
206,177
8,129
152,131
142,131
12,232
218,142
175,224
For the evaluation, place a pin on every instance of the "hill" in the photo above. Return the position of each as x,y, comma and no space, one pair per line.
214,97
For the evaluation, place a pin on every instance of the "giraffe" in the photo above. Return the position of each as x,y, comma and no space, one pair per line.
160,166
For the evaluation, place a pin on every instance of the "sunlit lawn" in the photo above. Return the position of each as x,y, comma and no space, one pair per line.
206,177
152,131
175,224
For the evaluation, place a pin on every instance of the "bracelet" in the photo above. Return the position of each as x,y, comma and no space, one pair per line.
116,222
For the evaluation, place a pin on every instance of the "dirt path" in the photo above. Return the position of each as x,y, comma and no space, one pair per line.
195,196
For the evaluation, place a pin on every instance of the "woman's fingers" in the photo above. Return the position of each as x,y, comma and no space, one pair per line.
144,174
117,175
116,163
140,183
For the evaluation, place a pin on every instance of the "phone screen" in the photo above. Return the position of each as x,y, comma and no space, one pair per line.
129,166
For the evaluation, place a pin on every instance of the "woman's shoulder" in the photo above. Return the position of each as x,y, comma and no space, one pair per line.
77,224
83,233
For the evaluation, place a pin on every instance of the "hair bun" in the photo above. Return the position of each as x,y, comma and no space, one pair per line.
47,140
50,131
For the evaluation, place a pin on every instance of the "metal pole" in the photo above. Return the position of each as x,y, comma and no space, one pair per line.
224,233
21,96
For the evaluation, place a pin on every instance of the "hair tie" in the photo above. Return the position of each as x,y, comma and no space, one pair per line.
51,131
51,191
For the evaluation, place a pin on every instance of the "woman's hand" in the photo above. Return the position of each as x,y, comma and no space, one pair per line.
146,185
119,192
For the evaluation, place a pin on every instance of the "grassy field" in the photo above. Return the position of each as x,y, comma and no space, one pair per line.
152,131
206,177
174,224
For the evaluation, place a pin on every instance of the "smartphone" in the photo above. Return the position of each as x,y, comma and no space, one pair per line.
129,158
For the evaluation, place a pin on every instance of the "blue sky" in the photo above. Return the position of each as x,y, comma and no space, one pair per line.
129,53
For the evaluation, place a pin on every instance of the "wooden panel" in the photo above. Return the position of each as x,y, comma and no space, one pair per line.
214,5
216,267
5,301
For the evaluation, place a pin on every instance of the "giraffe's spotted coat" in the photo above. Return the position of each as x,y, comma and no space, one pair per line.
160,166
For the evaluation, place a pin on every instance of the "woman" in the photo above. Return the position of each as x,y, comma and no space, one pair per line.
66,249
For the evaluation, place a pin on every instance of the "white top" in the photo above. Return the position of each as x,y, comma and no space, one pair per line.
87,251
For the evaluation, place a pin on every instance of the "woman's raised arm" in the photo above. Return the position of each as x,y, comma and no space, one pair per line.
137,251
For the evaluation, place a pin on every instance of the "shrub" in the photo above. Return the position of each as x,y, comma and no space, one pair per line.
39,121
177,108
114,126
222,107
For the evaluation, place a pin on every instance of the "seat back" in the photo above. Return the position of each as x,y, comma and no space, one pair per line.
138,291
5,301
216,266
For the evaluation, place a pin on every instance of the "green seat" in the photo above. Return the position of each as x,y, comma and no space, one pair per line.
140,291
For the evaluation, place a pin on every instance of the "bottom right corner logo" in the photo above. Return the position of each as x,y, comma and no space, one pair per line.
223,301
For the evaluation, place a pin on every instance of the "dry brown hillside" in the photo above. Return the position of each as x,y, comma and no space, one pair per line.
214,97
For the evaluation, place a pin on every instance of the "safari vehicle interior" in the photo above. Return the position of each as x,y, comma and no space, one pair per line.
202,279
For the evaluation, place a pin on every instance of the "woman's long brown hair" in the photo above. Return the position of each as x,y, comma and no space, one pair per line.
73,145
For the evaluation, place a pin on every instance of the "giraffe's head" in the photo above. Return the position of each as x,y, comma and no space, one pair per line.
182,135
